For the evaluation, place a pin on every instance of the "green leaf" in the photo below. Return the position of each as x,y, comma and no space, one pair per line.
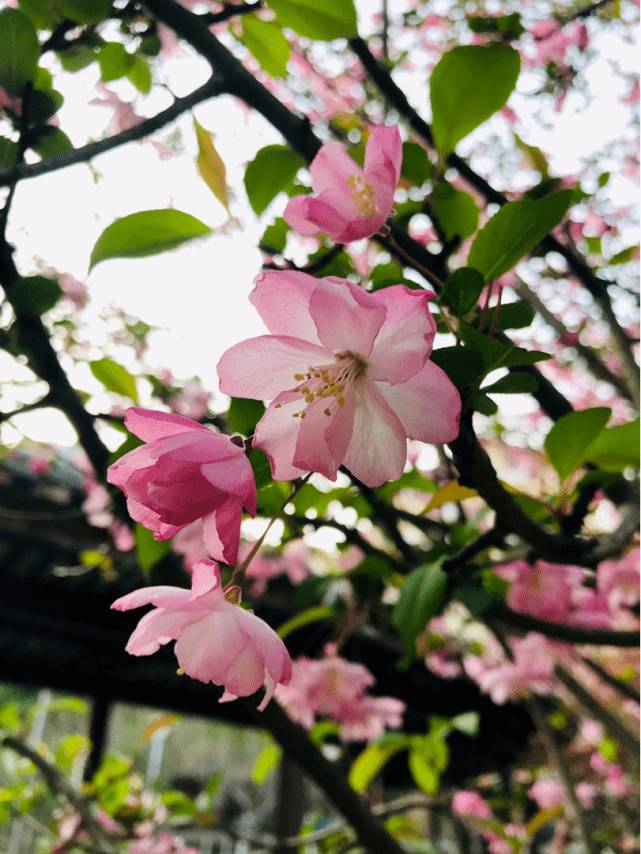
34,294
533,155
370,762
148,550
420,599
462,290
424,772
146,233
271,171
114,61
514,231
210,165
514,383
114,378
615,448
468,85
325,21
76,58
462,365
8,152
512,315
44,105
53,141
466,722
484,404
274,237
310,615
243,414
572,435
19,51
262,469
85,11
456,212
268,759
140,74
417,166
506,26
476,599
266,42
624,256
495,354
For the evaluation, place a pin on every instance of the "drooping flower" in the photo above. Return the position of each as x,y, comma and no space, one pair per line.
185,472
351,203
216,640
348,373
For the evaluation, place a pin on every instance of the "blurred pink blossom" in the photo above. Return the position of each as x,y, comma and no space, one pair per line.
470,803
192,401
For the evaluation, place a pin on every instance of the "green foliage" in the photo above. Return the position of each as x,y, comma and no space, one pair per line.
495,354
326,21
146,233
140,74
304,618
8,152
511,315
505,26
274,237
417,166
114,61
462,290
429,755
262,469
615,448
270,172
513,383
571,436
114,377
210,165
456,213
376,755
514,231
468,85
244,414
52,141
19,50
34,294
463,367
148,550
421,596
268,761
76,58
85,11
266,42
475,598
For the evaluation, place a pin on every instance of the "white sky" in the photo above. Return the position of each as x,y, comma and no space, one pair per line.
198,294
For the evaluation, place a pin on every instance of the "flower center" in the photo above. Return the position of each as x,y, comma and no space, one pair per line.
363,196
329,382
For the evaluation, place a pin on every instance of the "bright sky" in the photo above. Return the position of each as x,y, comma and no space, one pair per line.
197,295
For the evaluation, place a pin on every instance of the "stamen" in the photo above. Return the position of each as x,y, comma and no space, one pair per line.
329,382
363,196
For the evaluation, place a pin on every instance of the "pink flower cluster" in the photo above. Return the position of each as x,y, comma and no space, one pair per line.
335,688
472,806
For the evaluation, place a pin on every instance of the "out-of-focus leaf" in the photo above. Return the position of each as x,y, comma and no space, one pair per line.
265,40
210,165
114,61
468,85
85,11
533,155
514,231
476,599
326,21
53,141
452,491
140,74
268,760
420,599
35,294
76,58
146,233
262,469
371,761
19,51
8,152
417,166
243,414
615,448
455,211
571,436
541,818
462,290
274,237
624,256
114,377
310,615
271,171
164,721
148,550
514,383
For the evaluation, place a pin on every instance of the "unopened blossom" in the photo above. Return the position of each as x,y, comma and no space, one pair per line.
350,203
185,472
348,375
216,640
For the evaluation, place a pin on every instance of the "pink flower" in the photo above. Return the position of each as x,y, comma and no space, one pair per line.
351,203
185,472
618,580
466,802
216,640
348,373
542,589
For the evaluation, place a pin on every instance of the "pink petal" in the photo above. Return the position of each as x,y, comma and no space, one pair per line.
221,531
322,439
405,339
205,650
156,628
163,596
281,298
347,318
331,214
261,368
332,167
246,673
233,476
150,425
428,405
378,450
205,577
299,216
384,155
277,433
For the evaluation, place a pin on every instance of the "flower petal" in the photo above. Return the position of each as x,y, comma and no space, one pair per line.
404,341
260,368
281,298
378,450
428,405
322,439
221,531
163,596
233,476
150,425
156,628
332,167
277,434
384,155
346,317
205,578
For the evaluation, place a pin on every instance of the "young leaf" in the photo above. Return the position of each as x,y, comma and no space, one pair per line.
462,290
35,294
370,762
265,40
514,231
146,233
268,759
452,491
114,61
615,448
326,21
272,170
148,550
572,435
140,74
210,165
455,212
496,354
468,85
19,51
420,599
114,377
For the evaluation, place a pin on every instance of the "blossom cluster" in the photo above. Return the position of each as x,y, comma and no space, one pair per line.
349,380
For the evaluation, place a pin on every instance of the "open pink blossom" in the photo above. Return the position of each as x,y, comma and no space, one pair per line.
351,203
348,373
216,640
185,472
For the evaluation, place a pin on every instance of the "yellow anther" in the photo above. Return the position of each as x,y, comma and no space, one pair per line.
340,400
299,377
326,412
